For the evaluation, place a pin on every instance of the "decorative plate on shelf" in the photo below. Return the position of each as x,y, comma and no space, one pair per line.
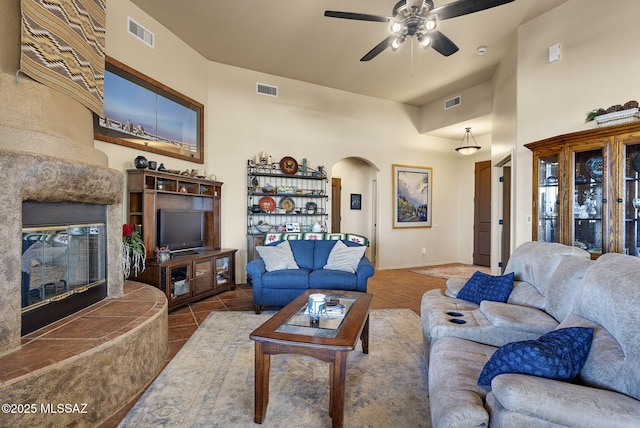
635,161
594,167
287,204
288,165
267,204
311,207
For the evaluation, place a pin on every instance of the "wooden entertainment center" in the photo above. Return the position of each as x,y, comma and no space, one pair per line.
191,275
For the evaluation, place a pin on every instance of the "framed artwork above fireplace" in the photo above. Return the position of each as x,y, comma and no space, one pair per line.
144,114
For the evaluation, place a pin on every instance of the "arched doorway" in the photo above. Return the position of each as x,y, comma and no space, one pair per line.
358,207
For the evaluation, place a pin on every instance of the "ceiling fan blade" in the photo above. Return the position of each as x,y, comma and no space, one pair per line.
356,16
442,43
465,7
377,49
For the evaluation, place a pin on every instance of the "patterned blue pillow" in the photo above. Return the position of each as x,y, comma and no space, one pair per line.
486,287
558,355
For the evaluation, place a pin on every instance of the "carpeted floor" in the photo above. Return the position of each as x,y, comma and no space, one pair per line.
210,381
453,271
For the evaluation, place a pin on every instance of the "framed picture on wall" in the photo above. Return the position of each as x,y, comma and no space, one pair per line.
356,201
412,187
144,114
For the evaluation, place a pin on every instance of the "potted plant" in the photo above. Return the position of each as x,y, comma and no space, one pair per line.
133,251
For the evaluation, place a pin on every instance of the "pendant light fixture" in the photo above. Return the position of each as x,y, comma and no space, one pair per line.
468,149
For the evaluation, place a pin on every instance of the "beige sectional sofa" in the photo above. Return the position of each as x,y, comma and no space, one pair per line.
555,287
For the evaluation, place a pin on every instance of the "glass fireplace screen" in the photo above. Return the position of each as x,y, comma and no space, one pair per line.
59,261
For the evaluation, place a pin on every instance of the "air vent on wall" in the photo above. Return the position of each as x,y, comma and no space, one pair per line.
452,102
140,32
269,90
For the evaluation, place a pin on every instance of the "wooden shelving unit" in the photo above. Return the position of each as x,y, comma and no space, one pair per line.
186,276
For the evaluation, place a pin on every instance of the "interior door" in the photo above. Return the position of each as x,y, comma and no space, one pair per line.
482,215
336,191
506,216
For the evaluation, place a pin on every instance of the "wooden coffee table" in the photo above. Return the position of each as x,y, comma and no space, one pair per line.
287,333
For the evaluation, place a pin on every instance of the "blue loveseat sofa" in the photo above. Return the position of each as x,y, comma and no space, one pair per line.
279,287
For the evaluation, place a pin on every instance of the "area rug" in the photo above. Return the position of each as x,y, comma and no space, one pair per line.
453,271
210,381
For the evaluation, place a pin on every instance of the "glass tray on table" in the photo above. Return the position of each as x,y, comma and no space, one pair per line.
327,324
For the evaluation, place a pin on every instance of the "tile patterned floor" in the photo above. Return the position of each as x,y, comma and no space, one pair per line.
398,288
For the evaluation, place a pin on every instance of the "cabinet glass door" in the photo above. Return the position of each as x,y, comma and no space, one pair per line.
223,270
180,281
631,200
548,199
204,275
587,200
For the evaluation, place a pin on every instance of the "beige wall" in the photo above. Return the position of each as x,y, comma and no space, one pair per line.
597,69
476,101
326,126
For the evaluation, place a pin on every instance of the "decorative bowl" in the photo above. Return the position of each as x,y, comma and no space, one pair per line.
594,167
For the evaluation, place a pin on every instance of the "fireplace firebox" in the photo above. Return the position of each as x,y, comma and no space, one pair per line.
64,260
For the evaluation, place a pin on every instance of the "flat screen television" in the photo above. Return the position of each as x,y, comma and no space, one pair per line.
180,230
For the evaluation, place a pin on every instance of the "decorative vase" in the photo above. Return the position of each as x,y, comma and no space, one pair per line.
153,165
140,162
163,256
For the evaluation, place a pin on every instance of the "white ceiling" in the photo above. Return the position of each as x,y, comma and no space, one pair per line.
293,39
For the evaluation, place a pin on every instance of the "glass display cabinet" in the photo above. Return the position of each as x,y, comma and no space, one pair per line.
631,197
586,189
588,200
548,198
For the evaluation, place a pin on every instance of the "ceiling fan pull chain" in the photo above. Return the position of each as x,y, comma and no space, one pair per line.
412,57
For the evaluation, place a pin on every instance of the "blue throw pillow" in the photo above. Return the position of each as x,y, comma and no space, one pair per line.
486,287
558,355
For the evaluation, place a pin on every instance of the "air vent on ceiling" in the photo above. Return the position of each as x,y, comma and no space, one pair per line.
269,90
452,102
140,32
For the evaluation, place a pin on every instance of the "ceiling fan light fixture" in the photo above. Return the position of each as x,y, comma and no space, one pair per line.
396,27
468,149
395,43
431,23
425,41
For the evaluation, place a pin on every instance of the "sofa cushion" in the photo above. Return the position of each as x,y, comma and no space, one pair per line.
525,294
516,317
288,278
558,355
546,402
534,262
303,253
321,253
333,280
454,396
277,257
609,300
482,286
344,258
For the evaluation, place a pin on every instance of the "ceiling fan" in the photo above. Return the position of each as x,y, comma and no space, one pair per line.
419,19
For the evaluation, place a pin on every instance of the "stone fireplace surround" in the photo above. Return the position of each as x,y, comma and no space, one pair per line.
30,177
106,354
135,351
